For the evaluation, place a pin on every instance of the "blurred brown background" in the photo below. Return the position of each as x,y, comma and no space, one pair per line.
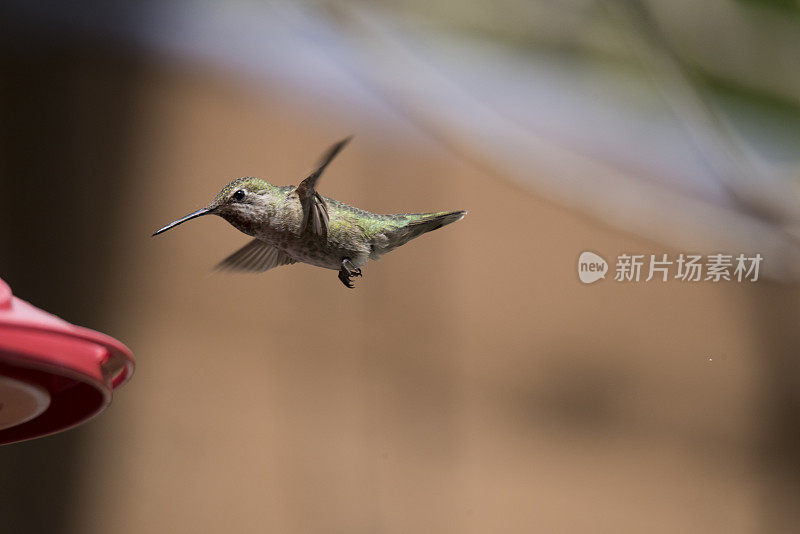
470,382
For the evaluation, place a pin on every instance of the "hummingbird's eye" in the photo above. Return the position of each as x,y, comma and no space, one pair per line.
238,196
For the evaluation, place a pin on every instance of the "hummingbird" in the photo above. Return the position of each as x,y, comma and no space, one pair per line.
295,224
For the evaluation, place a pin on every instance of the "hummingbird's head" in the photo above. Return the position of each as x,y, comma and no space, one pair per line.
241,203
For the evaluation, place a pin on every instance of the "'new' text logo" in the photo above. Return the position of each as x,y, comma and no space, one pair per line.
591,267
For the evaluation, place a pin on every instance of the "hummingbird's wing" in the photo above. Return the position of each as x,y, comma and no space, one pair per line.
256,256
315,210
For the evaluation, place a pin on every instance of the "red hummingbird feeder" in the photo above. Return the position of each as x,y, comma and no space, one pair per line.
53,375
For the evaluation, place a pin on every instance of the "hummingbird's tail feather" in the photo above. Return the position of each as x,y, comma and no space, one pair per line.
414,226
428,222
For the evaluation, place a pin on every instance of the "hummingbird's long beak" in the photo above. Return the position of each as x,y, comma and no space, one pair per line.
189,217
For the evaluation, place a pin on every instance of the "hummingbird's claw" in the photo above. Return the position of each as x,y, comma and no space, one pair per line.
343,276
348,270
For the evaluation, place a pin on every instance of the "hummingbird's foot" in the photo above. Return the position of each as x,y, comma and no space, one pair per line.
346,279
351,269
348,270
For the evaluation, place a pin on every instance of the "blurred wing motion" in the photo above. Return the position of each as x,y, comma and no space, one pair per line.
256,257
315,210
